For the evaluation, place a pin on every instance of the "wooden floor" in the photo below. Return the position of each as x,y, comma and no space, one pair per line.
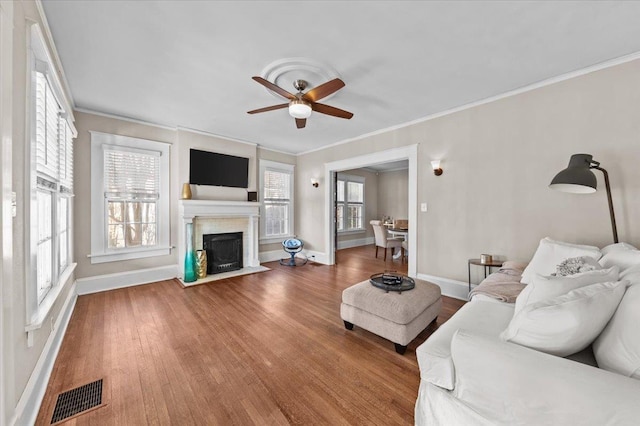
267,348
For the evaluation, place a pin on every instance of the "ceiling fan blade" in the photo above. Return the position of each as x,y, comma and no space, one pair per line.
329,110
269,85
301,122
269,108
323,90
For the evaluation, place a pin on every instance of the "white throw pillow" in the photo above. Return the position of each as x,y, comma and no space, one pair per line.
550,253
566,324
626,259
616,246
617,348
547,287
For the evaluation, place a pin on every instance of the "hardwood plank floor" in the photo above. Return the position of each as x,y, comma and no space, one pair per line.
268,348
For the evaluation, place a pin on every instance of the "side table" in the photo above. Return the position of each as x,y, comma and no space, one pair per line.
487,267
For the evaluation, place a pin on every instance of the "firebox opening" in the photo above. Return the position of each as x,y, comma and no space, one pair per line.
224,252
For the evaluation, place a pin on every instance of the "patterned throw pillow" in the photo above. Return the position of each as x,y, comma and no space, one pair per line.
575,265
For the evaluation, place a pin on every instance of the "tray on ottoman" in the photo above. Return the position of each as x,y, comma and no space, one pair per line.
396,316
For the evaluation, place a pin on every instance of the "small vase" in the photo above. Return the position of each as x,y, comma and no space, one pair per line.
201,263
186,191
189,257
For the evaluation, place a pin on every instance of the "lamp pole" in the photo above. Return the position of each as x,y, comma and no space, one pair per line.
596,165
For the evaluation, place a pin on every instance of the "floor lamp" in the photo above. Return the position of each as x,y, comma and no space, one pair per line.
578,178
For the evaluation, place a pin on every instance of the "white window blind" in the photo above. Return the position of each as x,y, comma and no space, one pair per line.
131,188
131,174
65,168
47,125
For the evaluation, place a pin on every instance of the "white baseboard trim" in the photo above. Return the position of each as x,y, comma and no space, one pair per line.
29,403
316,256
271,256
356,243
125,279
449,287
275,255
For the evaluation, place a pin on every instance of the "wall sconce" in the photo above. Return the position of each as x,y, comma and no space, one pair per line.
314,182
436,167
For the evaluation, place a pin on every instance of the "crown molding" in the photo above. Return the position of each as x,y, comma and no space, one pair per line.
120,117
214,135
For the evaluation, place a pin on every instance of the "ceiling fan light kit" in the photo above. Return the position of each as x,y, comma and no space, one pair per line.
299,109
301,104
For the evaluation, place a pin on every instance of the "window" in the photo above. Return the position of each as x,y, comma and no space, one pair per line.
52,155
350,203
276,188
130,198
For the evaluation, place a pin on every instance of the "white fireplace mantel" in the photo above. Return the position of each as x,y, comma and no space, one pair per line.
190,210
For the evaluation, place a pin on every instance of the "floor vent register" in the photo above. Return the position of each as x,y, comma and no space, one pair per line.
76,401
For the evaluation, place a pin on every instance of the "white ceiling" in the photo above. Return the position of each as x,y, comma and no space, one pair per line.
189,63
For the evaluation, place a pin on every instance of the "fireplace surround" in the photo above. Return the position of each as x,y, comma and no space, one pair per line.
213,216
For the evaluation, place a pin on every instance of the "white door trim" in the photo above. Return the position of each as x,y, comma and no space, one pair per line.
409,152
6,218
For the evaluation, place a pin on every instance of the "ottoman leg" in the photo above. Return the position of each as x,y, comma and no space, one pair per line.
400,348
348,325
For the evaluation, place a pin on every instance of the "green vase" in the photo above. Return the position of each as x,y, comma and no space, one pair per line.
189,257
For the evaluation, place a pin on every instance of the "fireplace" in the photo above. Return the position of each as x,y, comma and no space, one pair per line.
224,252
218,217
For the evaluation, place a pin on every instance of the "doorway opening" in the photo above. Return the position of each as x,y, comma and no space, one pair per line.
407,153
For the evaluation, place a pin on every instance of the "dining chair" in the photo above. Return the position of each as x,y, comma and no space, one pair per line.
382,240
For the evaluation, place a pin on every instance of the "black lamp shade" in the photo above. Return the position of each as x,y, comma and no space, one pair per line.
577,178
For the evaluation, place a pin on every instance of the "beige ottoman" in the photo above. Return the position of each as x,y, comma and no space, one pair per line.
396,316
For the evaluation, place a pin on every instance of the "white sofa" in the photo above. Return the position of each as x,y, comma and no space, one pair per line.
471,376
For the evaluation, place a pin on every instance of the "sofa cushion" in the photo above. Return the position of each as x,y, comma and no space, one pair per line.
566,324
434,355
512,385
547,287
550,253
617,348
627,259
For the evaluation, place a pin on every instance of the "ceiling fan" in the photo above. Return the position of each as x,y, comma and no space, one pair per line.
301,104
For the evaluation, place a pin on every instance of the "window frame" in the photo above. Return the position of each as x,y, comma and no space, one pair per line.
100,252
267,165
346,178
51,180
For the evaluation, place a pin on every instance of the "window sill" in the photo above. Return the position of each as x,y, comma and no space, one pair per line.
274,240
128,255
49,300
352,231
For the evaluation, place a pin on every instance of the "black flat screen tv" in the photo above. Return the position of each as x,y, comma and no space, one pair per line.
211,168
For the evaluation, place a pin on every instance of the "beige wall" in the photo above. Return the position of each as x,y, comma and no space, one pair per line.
498,160
393,194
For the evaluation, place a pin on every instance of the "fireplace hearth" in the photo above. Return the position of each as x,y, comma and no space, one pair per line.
224,252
